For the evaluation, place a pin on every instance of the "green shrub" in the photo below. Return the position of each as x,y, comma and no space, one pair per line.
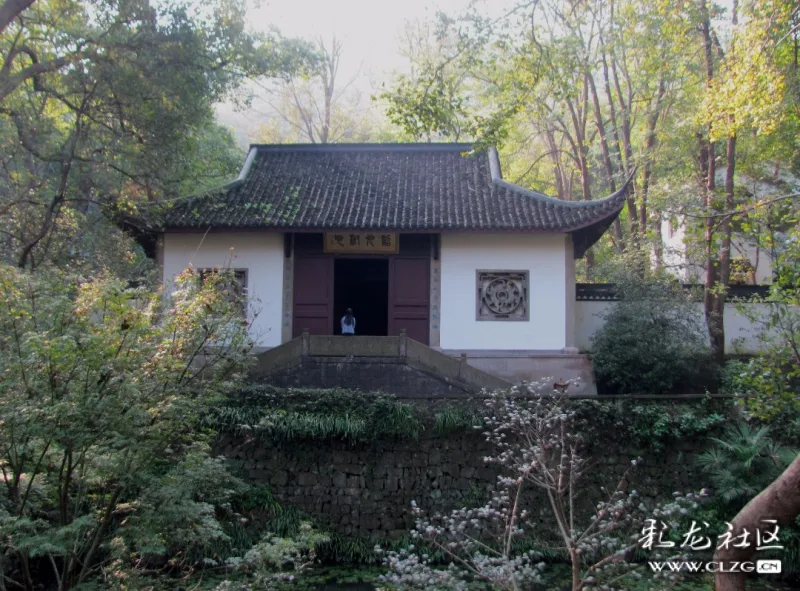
653,425
103,390
652,342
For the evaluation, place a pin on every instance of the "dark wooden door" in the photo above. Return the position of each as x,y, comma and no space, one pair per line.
313,295
409,297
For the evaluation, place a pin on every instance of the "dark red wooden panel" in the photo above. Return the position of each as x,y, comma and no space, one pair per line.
409,297
313,295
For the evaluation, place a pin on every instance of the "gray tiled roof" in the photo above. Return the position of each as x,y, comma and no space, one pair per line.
411,187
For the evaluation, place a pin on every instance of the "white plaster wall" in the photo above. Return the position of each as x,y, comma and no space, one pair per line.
674,250
542,255
588,322
260,253
740,334
676,261
758,257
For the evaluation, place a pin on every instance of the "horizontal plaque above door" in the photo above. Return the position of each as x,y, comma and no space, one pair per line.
362,242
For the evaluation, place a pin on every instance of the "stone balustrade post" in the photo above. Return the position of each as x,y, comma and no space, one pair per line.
305,345
463,366
402,345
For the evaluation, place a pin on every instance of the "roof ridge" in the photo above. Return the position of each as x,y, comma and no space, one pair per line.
616,198
372,147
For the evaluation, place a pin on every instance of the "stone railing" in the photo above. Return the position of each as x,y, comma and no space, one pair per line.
424,358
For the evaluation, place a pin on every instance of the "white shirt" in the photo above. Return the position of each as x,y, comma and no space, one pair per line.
348,328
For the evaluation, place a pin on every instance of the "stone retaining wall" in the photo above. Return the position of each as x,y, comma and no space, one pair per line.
367,490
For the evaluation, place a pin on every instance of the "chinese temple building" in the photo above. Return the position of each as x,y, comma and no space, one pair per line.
426,240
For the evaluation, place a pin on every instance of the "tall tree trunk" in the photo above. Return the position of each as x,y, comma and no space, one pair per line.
578,118
622,144
713,300
649,148
658,249
779,501
601,130
725,225
587,193
563,188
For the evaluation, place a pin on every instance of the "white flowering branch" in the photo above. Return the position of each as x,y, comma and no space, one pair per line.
535,440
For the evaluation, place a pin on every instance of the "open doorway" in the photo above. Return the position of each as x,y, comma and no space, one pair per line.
363,285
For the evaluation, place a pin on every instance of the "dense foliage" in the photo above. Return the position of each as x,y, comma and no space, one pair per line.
103,387
108,105
111,394
656,425
743,462
740,463
651,342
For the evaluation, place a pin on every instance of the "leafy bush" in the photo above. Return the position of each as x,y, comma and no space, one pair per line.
103,391
651,342
772,379
655,424
180,515
453,419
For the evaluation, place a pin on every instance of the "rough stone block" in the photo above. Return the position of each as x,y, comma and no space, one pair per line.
306,479
354,469
279,478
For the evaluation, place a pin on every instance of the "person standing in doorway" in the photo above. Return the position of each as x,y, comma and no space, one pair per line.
348,323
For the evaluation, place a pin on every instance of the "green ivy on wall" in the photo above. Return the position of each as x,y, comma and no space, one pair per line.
654,424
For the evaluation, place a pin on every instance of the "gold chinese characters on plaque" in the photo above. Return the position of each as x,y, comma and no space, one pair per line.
361,242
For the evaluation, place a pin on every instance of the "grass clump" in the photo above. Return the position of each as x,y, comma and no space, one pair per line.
288,414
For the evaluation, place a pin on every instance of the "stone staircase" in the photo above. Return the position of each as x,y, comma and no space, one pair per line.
393,364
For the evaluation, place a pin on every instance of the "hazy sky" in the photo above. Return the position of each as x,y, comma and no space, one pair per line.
370,30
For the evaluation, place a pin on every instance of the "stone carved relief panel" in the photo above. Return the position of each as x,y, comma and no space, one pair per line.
502,295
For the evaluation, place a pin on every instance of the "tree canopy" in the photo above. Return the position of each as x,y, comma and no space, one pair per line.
107,105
